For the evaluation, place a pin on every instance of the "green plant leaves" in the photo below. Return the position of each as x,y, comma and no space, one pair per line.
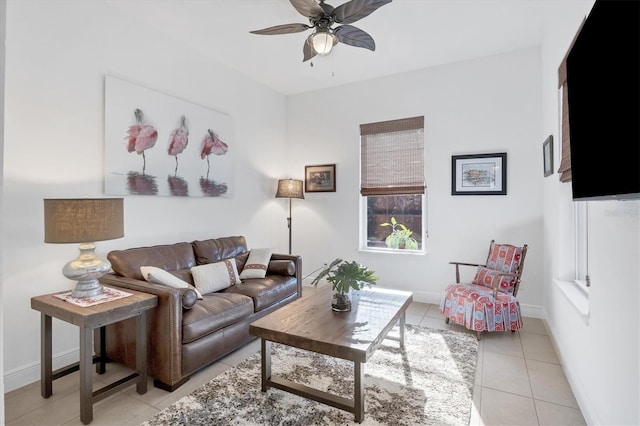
400,238
345,276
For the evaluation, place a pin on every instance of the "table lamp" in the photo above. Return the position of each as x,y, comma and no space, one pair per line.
289,188
84,221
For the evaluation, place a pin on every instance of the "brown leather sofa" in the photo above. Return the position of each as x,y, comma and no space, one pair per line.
185,334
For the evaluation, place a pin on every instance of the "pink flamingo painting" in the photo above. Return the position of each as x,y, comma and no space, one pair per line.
141,137
178,140
212,144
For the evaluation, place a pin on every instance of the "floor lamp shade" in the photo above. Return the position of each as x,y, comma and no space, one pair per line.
289,188
84,221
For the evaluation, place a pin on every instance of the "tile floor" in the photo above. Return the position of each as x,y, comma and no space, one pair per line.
519,381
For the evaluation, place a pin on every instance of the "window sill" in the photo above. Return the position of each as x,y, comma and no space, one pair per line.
577,296
392,251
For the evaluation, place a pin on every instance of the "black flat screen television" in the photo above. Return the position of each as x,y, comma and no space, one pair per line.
603,83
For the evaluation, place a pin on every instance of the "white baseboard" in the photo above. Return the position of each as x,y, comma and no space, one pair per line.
30,373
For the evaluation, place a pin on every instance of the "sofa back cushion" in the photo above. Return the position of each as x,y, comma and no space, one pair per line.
217,249
169,257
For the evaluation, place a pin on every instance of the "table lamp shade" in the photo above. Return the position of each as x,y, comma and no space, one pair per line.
289,188
83,220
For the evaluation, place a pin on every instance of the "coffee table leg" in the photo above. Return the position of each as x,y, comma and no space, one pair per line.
265,349
402,322
358,392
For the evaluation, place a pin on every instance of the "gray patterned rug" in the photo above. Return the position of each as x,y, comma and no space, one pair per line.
430,382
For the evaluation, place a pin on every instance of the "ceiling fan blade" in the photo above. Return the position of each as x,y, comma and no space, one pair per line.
327,8
282,29
355,10
353,36
307,50
308,8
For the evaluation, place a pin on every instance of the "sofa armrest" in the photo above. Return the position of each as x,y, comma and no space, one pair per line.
281,267
164,327
297,261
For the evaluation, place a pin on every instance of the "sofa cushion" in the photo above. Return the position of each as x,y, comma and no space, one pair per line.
266,291
241,259
160,276
215,276
217,249
256,266
169,257
213,312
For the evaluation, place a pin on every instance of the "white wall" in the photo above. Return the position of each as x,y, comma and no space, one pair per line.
3,15
481,106
57,56
600,354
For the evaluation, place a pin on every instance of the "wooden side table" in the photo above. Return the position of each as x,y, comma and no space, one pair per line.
89,319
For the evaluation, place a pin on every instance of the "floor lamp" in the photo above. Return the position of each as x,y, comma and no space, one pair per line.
289,188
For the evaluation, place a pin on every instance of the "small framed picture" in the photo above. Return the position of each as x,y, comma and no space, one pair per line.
320,178
547,156
479,174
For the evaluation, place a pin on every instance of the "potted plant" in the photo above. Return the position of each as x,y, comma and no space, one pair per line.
345,276
400,237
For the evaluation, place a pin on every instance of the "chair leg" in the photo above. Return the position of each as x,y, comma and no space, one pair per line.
446,320
478,335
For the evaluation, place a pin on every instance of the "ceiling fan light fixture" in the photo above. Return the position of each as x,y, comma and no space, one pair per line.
323,41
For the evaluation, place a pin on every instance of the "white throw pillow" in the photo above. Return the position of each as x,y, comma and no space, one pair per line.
256,266
216,276
160,276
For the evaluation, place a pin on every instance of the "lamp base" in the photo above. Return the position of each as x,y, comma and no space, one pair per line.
87,289
86,270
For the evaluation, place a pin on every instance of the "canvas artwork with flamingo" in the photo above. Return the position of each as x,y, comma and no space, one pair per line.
137,165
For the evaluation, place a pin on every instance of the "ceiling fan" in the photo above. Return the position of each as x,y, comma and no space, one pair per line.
322,18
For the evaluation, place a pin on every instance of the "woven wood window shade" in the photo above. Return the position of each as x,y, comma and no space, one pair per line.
392,157
565,160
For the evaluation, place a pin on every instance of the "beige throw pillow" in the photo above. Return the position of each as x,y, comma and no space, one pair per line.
160,276
216,276
256,266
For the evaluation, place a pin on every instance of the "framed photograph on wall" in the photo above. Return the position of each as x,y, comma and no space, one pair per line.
479,174
320,178
547,156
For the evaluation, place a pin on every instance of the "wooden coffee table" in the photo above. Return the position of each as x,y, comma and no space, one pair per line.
310,324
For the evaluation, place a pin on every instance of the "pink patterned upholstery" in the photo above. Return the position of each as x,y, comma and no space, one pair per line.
502,258
474,307
488,303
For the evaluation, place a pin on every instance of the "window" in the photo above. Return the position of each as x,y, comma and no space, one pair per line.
392,186
581,238
573,280
580,208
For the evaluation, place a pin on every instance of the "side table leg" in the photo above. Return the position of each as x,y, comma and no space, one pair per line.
101,350
46,375
86,375
358,392
141,352
265,352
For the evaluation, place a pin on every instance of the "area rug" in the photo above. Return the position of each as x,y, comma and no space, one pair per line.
429,382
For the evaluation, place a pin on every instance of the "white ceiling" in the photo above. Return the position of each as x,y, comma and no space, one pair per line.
409,35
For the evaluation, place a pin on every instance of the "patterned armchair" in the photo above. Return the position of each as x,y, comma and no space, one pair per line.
488,303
